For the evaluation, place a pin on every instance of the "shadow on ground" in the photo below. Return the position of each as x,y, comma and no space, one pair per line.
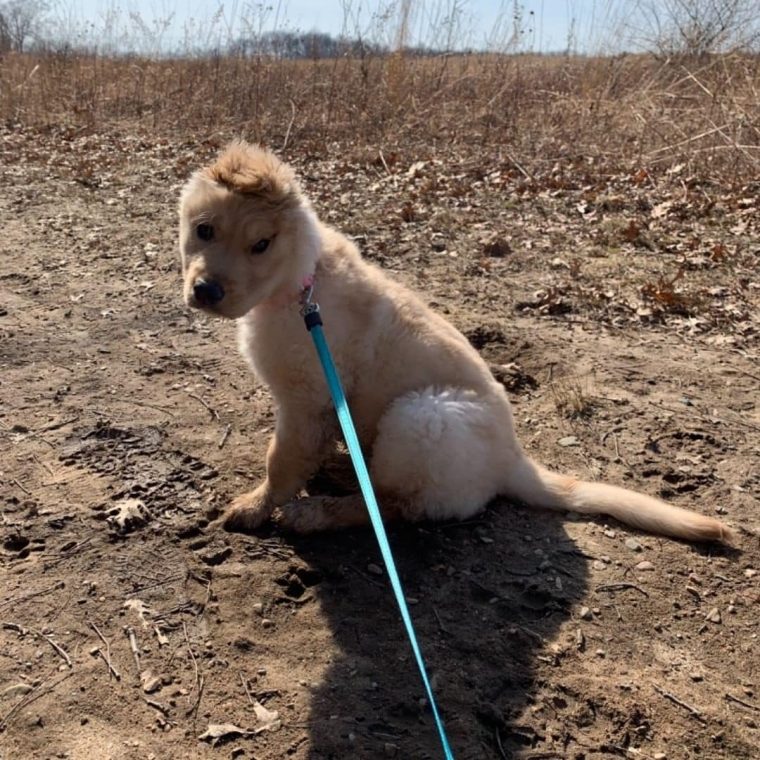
486,597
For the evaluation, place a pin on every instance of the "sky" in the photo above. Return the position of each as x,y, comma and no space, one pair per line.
547,25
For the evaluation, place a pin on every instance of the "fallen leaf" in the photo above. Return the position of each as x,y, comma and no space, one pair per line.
269,720
219,732
139,607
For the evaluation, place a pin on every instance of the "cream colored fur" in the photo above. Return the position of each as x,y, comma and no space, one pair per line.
436,425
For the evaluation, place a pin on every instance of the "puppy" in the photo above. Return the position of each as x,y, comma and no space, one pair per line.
437,426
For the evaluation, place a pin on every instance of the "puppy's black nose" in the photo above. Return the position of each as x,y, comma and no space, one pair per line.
207,293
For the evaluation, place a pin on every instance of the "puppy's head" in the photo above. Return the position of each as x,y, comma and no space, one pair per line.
247,234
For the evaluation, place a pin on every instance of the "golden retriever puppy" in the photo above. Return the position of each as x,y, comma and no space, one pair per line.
437,426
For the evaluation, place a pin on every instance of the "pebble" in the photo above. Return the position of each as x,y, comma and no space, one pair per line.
267,623
150,683
258,608
750,573
610,533
215,555
633,544
659,756
713,615
374,569
569,440
601,653
390,749
644,566
597,564
17,690
585,613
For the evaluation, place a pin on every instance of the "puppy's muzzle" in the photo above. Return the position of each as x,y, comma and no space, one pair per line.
207,293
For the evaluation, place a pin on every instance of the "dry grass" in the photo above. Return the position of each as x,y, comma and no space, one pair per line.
573,397
609,113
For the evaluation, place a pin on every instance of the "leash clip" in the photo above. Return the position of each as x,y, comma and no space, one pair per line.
309,310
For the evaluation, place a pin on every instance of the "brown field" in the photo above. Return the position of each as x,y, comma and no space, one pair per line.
591,225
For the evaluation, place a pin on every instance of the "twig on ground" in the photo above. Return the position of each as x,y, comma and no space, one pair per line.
130,632
443,628
225,436
692,710
23,631
33,695
738,701
247,690
366,577
499,745
107,656
25,597
199,680
210,409
28,493
620,587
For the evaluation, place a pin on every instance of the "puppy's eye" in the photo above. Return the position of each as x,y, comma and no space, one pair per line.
204,231
260,247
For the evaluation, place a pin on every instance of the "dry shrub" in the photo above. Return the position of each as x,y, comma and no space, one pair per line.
608,112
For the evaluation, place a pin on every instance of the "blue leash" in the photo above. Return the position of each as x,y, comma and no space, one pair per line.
310,313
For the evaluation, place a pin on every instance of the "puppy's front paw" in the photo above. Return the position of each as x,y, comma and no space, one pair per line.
246,513
300,516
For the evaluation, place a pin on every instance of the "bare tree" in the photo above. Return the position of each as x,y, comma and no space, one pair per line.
20,22
699,27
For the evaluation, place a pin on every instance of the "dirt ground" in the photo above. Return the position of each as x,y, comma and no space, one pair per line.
620,310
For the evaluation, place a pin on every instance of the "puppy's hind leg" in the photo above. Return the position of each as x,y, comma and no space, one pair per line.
442,452
316,513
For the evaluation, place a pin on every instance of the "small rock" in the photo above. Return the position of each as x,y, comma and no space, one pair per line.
438,243
750,573
569,440
267,623
150,683
16,690
374,569
585,613
597,564
258,608
633,544
659,756
600,653
644,566
713,615
610,533
390,749
243,643
215,555
731,609
497,248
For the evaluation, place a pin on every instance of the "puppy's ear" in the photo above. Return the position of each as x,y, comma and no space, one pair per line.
251,170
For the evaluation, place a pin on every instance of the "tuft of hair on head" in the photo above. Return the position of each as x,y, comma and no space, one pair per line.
252,170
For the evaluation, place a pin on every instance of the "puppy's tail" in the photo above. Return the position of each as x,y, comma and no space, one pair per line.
538,487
